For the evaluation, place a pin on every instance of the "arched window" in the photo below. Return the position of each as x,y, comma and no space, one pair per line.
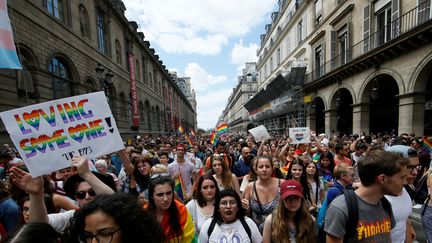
84,21
90,86
149,115
112,100
118,52
138,70
158,119
61,78
141,111
123,106
144,70
150,79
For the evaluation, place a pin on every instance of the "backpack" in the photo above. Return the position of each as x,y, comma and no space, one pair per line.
243,222
353,216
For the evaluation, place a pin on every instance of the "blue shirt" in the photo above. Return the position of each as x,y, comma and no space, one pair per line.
240,168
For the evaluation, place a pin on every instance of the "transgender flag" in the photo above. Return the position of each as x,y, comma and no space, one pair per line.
8,55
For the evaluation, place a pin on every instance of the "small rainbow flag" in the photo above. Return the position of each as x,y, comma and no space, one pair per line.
179,187
427,144
193,133
213,138
190,142
222,128
180,129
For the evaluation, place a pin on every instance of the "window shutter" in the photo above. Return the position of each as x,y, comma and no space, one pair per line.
333,39
366,28
323,55
304,29
348,40
395,18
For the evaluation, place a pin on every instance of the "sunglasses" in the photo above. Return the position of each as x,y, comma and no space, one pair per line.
155,176
83,194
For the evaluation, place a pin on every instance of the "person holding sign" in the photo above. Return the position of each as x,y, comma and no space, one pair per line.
83,187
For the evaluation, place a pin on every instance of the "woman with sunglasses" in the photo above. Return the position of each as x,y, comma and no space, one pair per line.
172,215
229,223
115,218
82,187
202,205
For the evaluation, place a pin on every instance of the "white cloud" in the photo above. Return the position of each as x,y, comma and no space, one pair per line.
200,27
241,54
200,79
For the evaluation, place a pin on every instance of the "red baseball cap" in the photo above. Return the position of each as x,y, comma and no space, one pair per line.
291,188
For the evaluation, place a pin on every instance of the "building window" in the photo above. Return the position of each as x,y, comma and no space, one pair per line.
118,52
343,45
383,24
150,79
144,70
61,78
318,11
300,31
101,31
271,64
265,71
278,56
84,21
55,8
141,111
137,70
319,61
123,105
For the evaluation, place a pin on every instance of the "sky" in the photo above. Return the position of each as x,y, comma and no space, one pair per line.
207,40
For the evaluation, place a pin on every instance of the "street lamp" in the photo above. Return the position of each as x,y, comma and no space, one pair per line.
105,78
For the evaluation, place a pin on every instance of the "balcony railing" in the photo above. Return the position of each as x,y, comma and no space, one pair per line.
405,23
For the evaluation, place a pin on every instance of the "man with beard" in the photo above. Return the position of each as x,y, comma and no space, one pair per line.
243,165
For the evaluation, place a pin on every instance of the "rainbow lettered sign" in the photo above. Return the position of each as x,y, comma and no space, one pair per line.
48,135
299,135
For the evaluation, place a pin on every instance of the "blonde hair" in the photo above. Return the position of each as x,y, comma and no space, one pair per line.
341,169
158,169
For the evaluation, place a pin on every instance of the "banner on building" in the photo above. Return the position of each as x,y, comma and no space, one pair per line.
260,133
8,56
48,135
133,89
299,135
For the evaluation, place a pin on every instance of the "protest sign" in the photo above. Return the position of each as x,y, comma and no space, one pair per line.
259,133
299,135
48,135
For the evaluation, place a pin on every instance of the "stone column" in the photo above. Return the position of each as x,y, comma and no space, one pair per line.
311,121
330,121
411,113
361,118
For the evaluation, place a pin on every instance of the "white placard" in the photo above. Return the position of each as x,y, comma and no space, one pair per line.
48,135
259,133
299,135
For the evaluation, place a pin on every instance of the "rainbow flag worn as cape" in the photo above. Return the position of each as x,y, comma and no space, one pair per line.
427,144
190,142
179,187
213,138
222,128
180,129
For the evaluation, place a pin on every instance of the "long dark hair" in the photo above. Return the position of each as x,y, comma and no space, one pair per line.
143,181
35,232
331,165
198,194
227,193
135,223
303,178
175,229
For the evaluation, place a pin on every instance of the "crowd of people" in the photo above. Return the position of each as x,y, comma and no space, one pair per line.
166,189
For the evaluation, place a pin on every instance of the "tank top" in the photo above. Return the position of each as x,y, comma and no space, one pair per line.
260,211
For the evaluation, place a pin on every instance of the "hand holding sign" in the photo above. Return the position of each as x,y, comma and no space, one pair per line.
81,165
25,182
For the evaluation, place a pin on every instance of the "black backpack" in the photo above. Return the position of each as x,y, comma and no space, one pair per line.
353,216
243,222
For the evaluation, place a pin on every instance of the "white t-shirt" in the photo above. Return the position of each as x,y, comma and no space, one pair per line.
186,169
198,216
60,221
230,233
402,209
314,192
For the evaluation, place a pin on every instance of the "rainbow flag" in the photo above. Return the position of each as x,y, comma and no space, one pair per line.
180,129
190,142
222,128
179,187
193,133
8,56
427,144
213,138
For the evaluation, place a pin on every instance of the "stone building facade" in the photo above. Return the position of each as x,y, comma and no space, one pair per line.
234,114
60,44
368,65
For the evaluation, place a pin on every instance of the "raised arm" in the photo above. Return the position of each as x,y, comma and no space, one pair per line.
80,163
127,164
34,187
282,153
